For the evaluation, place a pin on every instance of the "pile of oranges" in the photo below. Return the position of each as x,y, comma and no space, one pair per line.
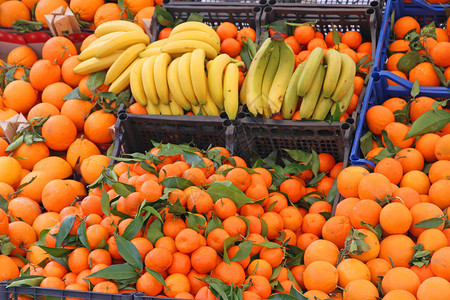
90,13
433,48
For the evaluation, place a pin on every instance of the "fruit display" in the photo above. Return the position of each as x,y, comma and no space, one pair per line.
194,215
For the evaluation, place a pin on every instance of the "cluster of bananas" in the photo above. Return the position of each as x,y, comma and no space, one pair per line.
323,86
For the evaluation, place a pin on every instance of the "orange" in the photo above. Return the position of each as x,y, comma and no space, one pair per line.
398,248
395,104
23,208
92,167
42,110
391,64
175,284
374,186
417,180
31,154
67,73
399,46
57,194
203,259
293,43
395,218
20,96
59,132
54,93
77,111
320,275
79,150
424,74
351,269
85,10
432,239
410,159
426,144
336,229
158,259
345,206
321,250
229,273
45,7
303,34
274,256
352,39
259,285
144,13
11,11
438,54
294,189
404,25
442,148
378,117
438,195
391,168
43,73
106,287
329,38
419,106
367,211
10,171
246,33
9,268
316,42
360,289
400,278
434,288
441,35
378,267
187,240
164,33
374,245
108,12
22,55
396,133
348,180
235,226
231,47
421,212
57,49
226,30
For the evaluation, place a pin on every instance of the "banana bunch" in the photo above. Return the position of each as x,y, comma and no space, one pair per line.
324,81
268,77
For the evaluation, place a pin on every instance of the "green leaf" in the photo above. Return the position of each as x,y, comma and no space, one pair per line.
76,94
408,61
4,204
282,296
57,252
33,280
95,80
221,189
18,141
316,179
430,223
163,16
177,182
104,202
270,245
156,275
64,229
129,252
117,272
415,89
123,189
315,162
377,230
264,227
298,155
194,17
213,224
24,26
155,231
429,30
389,145
133,228
226,245
280,26
430,121
244,251
247,53
81,232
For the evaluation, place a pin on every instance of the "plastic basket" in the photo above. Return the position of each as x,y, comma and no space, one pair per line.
217,2
424,15
437,7
362,19
241,15
40,293
135,133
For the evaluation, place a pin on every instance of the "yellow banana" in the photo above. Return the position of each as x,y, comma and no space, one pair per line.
208,65
184,77
311,66
152,109
291,98
345,102
333,61
122,62
164,109
89,52
176,109
116,25
156,44
148,80
268,79
184,46
231,91
196,110
242,92
137,88
215,78
160,77
212,40
123,81
190,26
150,52
322,108
346,78
210,108
176,92
198,75
94,64
255,77
312,96
121,41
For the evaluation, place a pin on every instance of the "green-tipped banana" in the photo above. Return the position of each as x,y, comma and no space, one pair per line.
212,39
196,109
148,80
231,91
175,89
122,62
309,72
332,59
281,81
122,41
198,75
345,102
137,88
268,79
94,64
346,78
255,77
176,109
312,96
291,98
180,47
152,109
116,25
322,108
123,81
164,109
184,77
215,77
162,61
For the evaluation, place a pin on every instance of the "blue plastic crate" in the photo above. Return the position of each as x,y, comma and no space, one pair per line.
424,4
424,14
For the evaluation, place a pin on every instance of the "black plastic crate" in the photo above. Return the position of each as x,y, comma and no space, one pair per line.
245,15
362,19
135,133
40,293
